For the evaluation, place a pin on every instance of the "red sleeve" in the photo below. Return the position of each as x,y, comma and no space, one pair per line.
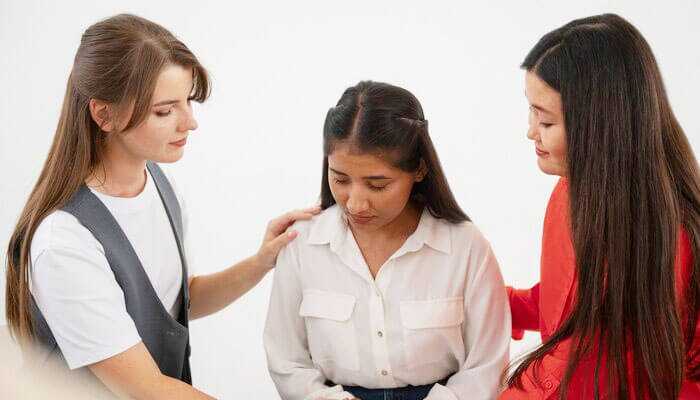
524,310
684,268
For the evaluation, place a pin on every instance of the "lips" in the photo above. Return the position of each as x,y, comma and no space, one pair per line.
360,219
539,152
180,142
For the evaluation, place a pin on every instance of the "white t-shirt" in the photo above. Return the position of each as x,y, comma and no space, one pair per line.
437,308
75,288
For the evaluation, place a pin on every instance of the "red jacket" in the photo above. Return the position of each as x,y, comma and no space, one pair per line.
545,307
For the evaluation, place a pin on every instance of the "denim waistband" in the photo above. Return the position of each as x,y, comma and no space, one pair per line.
403,393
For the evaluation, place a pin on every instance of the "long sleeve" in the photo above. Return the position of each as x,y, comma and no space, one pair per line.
486,333
525,310
285,338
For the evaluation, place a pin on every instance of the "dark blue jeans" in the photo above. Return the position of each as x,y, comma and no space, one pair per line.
404,393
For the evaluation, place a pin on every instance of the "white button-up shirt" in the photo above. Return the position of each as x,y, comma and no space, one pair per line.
436,309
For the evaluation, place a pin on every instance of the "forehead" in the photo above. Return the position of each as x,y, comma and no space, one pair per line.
174,81
352,161
541,95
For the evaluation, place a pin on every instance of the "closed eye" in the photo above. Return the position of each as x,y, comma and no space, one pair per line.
164,113
377,188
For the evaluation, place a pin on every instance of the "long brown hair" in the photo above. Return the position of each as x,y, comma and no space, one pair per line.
634,183
118,62
376,116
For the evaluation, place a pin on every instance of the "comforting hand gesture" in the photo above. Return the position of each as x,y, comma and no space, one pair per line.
276,235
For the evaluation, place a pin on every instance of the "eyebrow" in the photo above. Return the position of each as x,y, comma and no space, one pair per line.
373,177
165,103
541,109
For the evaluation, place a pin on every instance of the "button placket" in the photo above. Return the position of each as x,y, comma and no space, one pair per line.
379,344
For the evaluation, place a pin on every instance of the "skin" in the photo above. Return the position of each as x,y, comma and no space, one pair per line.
374,195
162,138
546,125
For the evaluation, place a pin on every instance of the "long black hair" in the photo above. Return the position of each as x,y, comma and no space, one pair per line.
378,117
634,183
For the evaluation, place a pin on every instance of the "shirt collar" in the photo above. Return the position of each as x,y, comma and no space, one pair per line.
330,228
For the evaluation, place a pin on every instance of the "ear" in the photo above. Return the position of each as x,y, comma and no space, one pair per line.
422,171
100,112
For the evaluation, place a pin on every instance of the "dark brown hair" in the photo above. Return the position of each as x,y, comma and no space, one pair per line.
378,117
634,184
118,61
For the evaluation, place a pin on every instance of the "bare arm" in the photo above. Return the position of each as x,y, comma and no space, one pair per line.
210,293
133,374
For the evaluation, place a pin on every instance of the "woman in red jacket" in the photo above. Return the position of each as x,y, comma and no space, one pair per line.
619,293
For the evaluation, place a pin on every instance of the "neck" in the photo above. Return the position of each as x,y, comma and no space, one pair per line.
118,174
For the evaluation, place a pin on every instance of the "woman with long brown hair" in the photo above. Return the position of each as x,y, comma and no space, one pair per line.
619,293
97,279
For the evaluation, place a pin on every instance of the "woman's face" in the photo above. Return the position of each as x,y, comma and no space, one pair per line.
546,125
161,137
368,188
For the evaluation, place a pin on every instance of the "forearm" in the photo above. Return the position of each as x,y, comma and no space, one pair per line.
210,293
160,387
133,374
169,388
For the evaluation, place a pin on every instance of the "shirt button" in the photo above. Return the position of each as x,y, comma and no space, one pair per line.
548,384
384,372
380,334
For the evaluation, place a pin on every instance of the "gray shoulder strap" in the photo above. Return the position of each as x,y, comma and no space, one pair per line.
167,194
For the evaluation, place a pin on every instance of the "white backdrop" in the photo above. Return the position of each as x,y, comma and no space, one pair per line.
276,69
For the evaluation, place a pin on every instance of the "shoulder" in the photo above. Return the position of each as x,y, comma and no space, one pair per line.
469,247
320,228
466,233
173,178
560,193
60,229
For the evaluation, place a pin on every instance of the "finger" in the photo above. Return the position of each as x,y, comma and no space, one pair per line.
278,225
312,210
276,244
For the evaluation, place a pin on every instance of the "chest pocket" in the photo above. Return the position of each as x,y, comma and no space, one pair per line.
432,330
330,328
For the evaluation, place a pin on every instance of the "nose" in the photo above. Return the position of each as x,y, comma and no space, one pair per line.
532,132
188,122
357,202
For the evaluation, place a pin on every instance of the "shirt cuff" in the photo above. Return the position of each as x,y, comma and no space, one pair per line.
441,392
330,393
517,334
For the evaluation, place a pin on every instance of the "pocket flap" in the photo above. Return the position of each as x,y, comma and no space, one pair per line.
327,305
437,313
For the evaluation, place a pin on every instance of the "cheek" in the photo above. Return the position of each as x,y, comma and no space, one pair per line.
166,124
339,192
560,143
395,199
155,133
555,141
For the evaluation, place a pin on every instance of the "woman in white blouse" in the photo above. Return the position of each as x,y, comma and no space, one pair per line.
391,290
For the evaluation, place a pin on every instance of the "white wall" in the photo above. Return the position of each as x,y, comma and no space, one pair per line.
277,68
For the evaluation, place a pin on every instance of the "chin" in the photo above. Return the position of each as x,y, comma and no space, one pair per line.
169,158
550,169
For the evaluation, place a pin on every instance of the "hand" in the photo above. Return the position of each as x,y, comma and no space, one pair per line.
276,235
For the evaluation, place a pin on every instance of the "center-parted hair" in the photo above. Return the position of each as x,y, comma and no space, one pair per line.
379,118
